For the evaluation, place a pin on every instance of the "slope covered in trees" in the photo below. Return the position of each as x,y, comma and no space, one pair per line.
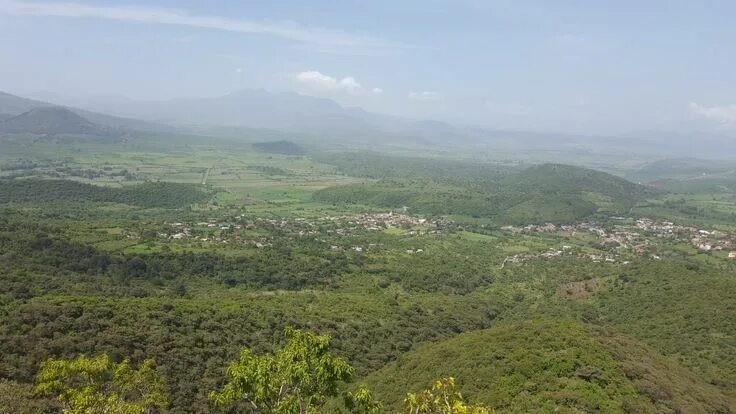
550,192
684,311
150,194
552,366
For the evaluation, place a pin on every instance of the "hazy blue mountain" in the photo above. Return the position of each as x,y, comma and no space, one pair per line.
324,122
54,120
13,105
285,111
328,120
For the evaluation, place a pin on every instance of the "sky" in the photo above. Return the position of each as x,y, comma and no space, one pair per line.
597,67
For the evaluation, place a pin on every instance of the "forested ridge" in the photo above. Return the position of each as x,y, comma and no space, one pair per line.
546,193
150,194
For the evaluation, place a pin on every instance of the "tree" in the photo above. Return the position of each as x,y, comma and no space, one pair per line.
362,402
296,379
99,386
442,398
19,398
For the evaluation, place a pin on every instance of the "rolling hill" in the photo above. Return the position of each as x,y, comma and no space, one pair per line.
545,366
546,193
55,120
12,105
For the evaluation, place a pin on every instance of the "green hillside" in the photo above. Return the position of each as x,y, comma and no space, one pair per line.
683,311
567,179
551,366
380,166
550,192
151,194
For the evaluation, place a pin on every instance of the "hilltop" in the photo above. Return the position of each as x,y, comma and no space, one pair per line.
549,192
552,366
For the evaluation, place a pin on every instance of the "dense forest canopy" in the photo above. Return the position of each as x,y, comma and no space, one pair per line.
149,194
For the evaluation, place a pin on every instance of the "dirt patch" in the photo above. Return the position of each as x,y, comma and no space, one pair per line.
580,290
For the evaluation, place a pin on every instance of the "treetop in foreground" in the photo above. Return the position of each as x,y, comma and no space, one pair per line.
442,398
98,385
297,378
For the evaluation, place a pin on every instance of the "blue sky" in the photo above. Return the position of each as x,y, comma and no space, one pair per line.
599,67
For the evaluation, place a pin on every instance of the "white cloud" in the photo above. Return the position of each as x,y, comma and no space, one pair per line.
424,96
334,41
239,70
721,114
320,82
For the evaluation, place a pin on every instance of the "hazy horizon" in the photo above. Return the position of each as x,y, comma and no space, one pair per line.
568,68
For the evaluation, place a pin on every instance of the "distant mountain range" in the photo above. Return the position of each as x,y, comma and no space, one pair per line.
286,112
327,120
246,114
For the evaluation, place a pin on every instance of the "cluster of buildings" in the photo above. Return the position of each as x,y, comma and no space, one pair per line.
704,240
215,231
630,236
237,230
380,221
567,251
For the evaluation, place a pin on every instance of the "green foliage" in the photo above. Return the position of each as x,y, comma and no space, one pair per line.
20,398
150,194
362,402
547,366
98,385
42,250
296,379
442,398
682,310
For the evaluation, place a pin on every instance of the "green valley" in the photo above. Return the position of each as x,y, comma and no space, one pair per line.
538,288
